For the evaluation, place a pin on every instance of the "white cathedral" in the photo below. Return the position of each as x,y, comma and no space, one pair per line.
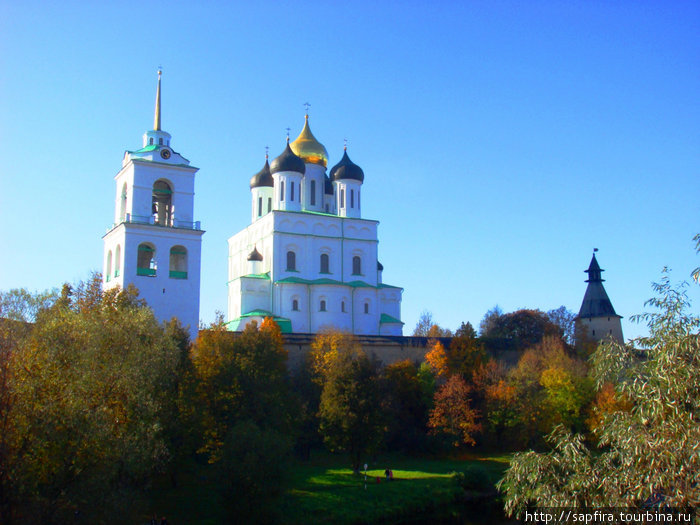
308,259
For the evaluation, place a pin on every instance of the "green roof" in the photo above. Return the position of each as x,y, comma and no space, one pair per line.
385,318
284,323
352,284
257,276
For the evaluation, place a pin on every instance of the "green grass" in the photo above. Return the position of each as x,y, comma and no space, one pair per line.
323,490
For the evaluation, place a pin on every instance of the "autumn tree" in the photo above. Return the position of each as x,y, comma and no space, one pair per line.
239,395
426,327
453,414
350,409
649,450
496,398
86,429
466,353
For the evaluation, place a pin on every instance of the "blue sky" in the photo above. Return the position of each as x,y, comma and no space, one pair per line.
501,141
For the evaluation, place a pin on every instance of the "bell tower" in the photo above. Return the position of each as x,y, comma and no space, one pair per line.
154,242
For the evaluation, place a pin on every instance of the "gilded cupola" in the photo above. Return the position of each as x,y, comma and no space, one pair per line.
308,148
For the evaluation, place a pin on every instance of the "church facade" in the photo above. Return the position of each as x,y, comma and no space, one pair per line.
154,242
308,258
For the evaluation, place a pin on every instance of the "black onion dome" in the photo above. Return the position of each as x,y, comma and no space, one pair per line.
347,169
263,177
288,161
255,255
380,266
328,190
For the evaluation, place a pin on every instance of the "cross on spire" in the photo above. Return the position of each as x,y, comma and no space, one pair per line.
267,150
345,144
306,107
288,130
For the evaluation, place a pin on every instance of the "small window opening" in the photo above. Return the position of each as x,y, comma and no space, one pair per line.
295,305
269,204
366,308
178,262
313,192
342,306
325,264
352,198
356,265
291,198
259,206
322,307
291,261
146,261
151,141
281,191
160,141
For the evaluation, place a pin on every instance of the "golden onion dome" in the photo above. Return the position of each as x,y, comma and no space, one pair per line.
308,148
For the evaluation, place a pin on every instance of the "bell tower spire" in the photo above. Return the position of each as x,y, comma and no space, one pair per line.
156,118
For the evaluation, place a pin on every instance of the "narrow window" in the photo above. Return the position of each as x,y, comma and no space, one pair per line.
322,308
162,200
117,260
178,262
358,200
269,204
281,191
295,305
151,141
108,273
342,306
342,198
291,198
259,206
146,260
593,332
291,261
352,198
122,209
356,265
160,141
324,263
366,308
313,193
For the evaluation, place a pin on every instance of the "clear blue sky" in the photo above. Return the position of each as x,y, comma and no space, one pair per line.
501,140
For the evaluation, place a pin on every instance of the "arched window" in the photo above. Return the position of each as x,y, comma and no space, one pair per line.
342,306
162,203
118,261
146,260
322,306
178,262
366,307
312,189
295,305
291,261
108,272
356,265
151,141
122,205
325,263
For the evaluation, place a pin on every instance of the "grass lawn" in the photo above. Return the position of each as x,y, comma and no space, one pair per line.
326,492
323,490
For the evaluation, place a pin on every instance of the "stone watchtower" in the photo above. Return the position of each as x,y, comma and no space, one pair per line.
597,319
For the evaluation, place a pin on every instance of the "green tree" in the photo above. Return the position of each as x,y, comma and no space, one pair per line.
650,449
523,328
350,409
488,323
405,406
